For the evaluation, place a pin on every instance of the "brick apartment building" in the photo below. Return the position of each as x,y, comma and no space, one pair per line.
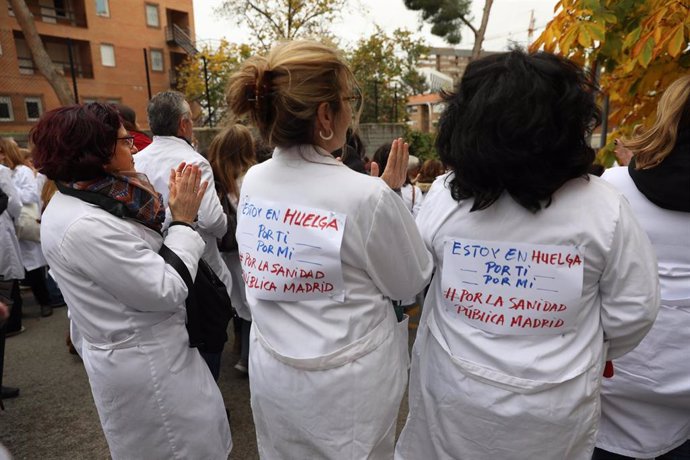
107,39
450,61
424,110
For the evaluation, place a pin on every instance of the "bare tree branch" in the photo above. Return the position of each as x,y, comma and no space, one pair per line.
479,35
39,54
469,25
265,14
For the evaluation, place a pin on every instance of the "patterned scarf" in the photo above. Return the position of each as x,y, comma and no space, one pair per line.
138,198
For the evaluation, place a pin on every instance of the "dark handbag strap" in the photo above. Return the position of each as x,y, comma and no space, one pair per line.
174,260
4,199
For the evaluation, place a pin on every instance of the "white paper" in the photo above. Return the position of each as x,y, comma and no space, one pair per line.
290,252
512,288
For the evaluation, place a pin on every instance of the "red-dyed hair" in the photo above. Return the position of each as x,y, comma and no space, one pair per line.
73,143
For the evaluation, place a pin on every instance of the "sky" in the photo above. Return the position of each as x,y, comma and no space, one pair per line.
509,20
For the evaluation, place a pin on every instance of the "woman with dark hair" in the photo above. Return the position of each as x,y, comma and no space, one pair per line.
101,233
536,285
231,154
328,357
352,153
129,121
645,410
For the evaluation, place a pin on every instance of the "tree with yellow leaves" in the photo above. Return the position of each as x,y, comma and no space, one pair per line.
220,62
638,47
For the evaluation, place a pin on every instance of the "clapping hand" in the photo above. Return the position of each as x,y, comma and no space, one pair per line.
396,169
186,192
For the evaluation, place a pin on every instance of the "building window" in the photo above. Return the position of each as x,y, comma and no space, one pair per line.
157,60
108,55
6,109
102,8
60,9
152,18
34,108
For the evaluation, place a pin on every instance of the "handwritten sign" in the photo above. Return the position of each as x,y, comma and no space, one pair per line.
290,252
512,288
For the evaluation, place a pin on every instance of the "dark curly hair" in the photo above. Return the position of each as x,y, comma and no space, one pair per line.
518,123
73,143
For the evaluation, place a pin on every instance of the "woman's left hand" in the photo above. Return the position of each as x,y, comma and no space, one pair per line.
623,155
186,192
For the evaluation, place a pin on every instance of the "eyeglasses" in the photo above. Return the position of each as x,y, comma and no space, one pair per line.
129,140
355,100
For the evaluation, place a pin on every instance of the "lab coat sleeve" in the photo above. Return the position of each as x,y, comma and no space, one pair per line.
25,181
14,202
125,266
212,219
397,260
629,286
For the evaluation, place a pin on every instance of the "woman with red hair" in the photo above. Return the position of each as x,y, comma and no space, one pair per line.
101,233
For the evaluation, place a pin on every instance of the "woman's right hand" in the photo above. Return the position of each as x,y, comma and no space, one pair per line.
186,192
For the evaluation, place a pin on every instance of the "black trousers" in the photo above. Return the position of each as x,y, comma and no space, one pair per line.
36,279
14,322
6,288
681,452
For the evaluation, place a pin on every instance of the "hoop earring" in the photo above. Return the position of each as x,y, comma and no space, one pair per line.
326,138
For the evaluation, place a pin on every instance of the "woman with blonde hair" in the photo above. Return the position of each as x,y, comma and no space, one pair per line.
324,249
231,154
26,181
646,405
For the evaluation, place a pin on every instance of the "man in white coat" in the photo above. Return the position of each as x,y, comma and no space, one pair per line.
170,121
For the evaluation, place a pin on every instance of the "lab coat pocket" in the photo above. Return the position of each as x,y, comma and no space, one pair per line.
172,341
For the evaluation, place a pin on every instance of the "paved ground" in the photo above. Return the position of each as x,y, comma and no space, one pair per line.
54,416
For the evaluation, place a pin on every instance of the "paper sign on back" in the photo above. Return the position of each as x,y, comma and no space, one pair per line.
290,252
512,288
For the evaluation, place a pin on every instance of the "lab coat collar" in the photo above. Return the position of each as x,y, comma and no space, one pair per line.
310,153
173,139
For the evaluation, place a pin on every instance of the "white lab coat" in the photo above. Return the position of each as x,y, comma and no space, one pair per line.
11,266
27,185
476,394
326,376
155,395
156,161
646,405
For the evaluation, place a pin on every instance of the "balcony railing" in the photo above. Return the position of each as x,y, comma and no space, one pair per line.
176,35
54,15
27,67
